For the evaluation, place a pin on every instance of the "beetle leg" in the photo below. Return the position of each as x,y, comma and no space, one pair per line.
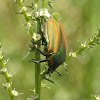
35,46
46,55
39,61
40,51
58,73
49,73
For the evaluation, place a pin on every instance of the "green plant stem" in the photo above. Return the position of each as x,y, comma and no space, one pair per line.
37,74
37,54
44,3
7,80
26,18
87,46
37,58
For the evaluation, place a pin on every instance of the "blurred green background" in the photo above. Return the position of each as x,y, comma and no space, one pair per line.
81,19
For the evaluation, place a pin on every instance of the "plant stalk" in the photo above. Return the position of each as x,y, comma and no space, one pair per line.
7,80
44,3
37,56
37,65
37,74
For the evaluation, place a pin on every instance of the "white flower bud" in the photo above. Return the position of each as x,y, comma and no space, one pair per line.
83,45
15,93
70,54
97,98
23,9
44,12
43,85
74,54
9,75
4,70
7,85
36,36
37,14
1,57
28,14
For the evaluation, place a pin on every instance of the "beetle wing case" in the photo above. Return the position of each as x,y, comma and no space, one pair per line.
57,44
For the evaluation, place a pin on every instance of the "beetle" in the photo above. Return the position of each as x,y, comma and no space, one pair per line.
55,45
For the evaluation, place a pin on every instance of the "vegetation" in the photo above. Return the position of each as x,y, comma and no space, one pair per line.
81,80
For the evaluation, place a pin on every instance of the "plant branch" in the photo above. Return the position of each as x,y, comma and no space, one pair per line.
44,3
6,74
37,58
85,46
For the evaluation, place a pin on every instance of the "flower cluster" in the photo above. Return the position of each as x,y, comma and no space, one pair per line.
72,54
34,15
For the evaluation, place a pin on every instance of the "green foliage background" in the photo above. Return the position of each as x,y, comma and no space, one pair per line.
81,19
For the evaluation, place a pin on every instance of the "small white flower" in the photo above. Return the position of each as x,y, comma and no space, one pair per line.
70,54
91,40
7,85
65,64
1,57
74,54
43,85
9,75
15,93
83,45
36,36
35,5
28,14
37,14
33,90
29,24
44,12
23,9
4,70
97,98
5,62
